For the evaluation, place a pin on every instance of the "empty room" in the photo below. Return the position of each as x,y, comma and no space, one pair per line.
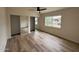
39,29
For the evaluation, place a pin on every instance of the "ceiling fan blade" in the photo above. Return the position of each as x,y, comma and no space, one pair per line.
42,9
38,8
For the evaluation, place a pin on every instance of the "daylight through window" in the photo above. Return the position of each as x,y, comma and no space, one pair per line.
53,21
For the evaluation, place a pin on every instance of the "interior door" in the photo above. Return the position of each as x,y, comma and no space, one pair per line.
15,25
32,23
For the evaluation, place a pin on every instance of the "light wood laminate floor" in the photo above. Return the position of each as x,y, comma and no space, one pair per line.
40,42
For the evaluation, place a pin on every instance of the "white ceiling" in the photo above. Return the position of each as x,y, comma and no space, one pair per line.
48,9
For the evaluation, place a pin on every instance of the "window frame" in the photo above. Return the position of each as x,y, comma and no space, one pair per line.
52,22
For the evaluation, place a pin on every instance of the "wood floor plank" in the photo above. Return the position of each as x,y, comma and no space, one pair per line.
40,42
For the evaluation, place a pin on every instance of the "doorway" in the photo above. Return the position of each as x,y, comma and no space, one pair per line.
15,25
33,23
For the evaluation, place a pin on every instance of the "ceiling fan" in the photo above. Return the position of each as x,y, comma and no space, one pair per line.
41,9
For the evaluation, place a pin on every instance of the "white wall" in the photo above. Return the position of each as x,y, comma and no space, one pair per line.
23,21
3,29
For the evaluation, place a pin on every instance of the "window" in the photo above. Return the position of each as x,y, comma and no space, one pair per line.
53,21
